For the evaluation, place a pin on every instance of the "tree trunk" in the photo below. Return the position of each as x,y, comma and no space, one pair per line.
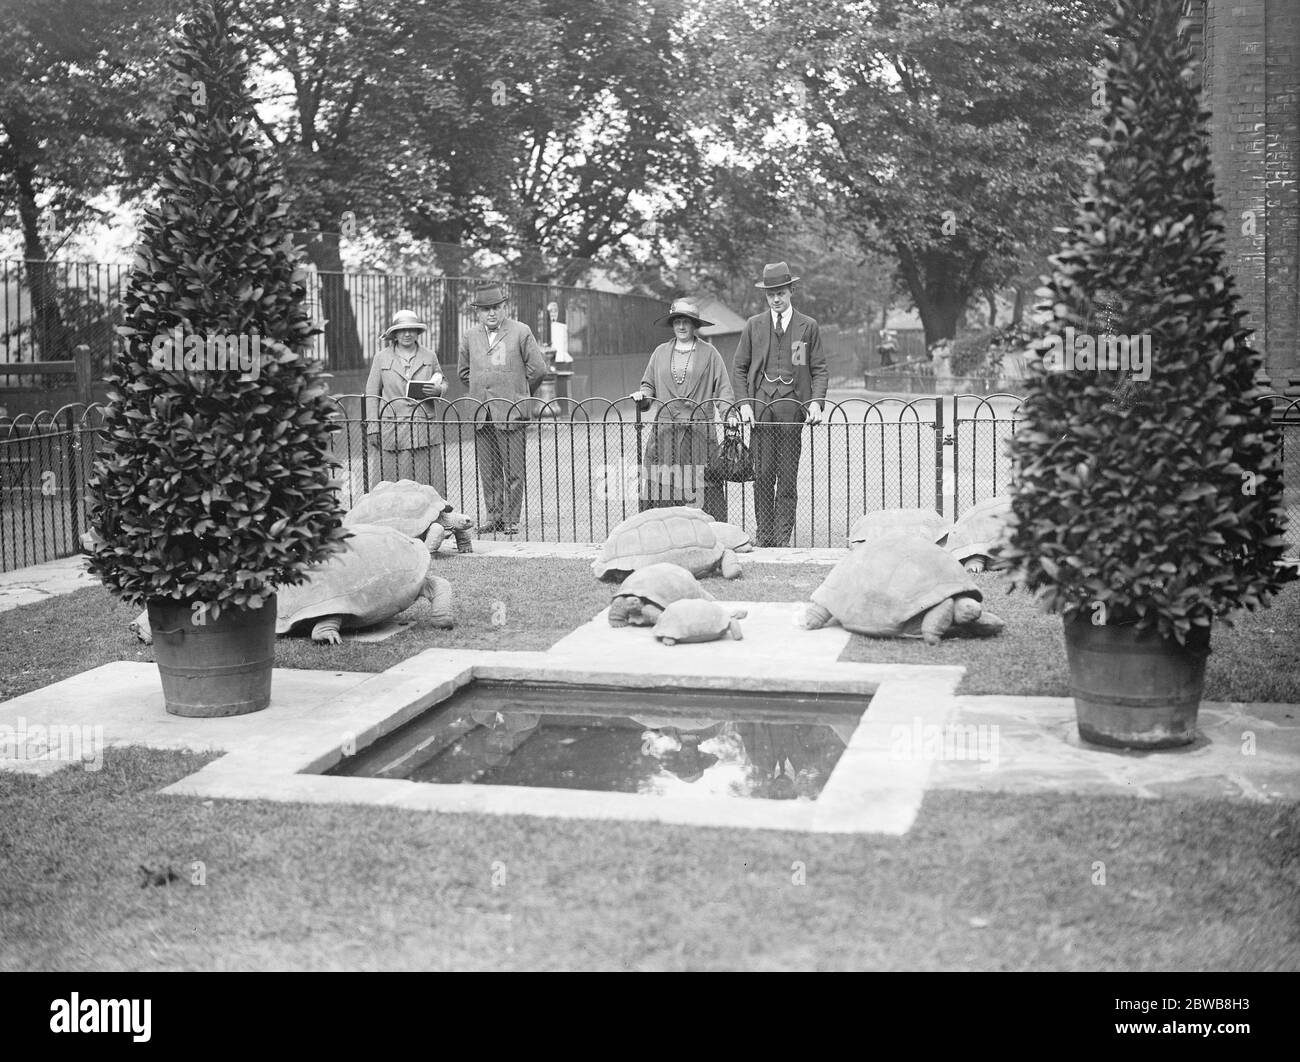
1018,307
993,309
939,302
343,348
51,338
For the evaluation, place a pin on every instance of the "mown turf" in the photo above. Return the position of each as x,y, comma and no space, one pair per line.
982,882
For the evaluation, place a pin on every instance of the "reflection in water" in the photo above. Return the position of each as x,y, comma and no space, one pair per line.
778,761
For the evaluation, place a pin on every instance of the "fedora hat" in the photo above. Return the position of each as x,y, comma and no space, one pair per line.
683,308
776,275
488,295
405,319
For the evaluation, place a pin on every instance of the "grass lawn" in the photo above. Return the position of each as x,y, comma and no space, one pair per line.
981,882
515,603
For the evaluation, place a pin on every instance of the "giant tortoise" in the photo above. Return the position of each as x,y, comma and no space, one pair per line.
415,509
675,535
902,587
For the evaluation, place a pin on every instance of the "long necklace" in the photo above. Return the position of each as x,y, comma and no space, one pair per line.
679,377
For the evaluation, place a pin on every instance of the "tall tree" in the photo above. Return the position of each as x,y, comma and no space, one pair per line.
951,131
75,100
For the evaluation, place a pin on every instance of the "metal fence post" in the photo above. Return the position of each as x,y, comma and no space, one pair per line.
938,456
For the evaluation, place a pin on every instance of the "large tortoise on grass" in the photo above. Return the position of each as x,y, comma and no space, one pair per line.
415,509
976,537
676,535
923,524
644,594
902,587
379,573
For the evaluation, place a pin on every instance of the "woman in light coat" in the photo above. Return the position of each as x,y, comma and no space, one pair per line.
404,441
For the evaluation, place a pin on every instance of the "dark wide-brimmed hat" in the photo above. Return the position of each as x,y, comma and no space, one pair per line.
487,296
776,275
404,319
683,308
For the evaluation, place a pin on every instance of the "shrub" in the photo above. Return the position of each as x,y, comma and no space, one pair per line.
213,485
1157,499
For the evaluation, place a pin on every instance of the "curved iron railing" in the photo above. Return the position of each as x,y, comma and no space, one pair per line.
583,467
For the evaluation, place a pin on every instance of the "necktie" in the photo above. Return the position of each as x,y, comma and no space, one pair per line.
780,326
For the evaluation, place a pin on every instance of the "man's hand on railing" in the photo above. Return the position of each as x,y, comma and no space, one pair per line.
814,413
747,414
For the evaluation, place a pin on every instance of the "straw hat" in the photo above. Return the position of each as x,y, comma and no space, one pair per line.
404,319
683,308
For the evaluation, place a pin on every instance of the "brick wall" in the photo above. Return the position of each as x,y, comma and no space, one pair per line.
1251,82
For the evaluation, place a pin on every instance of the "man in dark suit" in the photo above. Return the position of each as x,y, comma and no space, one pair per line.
780,364
502,364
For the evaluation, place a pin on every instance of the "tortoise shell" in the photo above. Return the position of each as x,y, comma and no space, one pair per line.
662,584
695,621
404,505
980,530
677,535
379,573
879,590
924,524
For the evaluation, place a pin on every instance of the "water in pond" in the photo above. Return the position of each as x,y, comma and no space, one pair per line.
656,742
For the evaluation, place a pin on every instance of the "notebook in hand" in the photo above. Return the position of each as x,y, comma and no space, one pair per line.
415,389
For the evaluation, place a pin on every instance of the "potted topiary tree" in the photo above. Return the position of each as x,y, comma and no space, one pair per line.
1147,492
212,482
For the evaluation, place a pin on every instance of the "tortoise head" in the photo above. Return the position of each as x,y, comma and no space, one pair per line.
965,609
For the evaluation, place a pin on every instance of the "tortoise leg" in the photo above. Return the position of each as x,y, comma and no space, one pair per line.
975,565
434,537
619,610
937,622
815,616
440,595
327,630
734,628
669,641
464,543
730,565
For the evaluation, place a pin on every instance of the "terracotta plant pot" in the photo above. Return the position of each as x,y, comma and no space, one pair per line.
1135,691
218,668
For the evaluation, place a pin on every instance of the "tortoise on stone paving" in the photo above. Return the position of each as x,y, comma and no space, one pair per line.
924,524
902,587
645,593
976,536
676,535
379,573
693,620
415,509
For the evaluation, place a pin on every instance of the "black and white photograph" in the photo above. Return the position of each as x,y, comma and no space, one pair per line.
730,486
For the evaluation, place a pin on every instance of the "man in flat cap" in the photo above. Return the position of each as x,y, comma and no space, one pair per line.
780,364
501,363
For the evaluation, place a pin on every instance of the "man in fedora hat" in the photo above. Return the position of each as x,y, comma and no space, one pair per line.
502,364
780,364
404,442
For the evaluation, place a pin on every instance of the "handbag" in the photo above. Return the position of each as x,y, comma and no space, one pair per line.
733,463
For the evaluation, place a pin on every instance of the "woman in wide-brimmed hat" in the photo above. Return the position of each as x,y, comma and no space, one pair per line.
404,442
686,374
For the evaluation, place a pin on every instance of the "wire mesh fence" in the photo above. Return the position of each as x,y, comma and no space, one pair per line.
583,467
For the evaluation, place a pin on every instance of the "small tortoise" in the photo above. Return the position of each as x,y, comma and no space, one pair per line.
975,538
648,591
379,573
692,620
415,509
676,535
902,588
924,524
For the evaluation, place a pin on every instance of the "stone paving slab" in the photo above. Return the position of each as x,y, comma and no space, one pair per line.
1032,745
42,581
